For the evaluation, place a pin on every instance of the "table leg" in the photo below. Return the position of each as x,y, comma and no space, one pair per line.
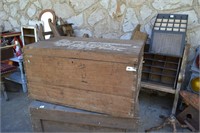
24,86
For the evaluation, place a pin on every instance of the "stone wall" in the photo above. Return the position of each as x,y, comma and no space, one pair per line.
104,18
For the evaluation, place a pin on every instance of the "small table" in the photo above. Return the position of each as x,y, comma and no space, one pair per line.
15,59
6,70
23,79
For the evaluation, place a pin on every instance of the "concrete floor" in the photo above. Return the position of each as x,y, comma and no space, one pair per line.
15,116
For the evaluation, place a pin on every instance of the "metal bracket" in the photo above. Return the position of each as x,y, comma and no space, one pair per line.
131,69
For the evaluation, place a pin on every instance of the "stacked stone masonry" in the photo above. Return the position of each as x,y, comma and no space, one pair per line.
103,18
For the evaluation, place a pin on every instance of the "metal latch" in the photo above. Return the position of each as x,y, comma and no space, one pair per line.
131,69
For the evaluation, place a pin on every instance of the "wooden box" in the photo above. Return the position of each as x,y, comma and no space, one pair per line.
91,74
48,117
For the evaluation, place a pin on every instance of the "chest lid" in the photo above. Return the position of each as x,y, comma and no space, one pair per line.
122,51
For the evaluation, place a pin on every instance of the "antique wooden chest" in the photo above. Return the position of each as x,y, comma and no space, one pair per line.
91,74
46,117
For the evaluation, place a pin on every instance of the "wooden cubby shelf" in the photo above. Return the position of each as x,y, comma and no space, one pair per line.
29,34
160,69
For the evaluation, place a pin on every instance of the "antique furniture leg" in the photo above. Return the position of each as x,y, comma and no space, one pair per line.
168,121
22,73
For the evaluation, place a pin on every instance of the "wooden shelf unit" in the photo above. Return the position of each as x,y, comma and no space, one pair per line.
29,34
161,69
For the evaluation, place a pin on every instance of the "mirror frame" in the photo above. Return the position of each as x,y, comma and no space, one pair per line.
47,34
51,11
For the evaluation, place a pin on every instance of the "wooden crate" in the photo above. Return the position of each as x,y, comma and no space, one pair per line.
48,117
91,74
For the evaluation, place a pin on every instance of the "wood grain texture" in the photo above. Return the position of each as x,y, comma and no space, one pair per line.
83,99
181,76
103,77
128,49
59,118
91,77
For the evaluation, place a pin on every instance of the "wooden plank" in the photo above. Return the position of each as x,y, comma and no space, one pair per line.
8,46
36,124
181,76
104,77
190,98
139,36
87,48
73,54
158,87
55,126
83,99
66,118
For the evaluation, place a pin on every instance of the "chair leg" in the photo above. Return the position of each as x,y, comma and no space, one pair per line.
4,91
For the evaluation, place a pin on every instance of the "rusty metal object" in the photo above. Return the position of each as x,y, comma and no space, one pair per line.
168,121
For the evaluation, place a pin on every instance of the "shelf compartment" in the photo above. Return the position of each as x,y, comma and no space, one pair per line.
171,69
29,40
172,59
161,69
168,80
170,65
29,35
145,76
160,74
155,77
147,68
28,31
160,64
159,57
160,61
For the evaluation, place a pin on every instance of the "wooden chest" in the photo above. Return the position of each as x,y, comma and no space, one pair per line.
91,74
48,117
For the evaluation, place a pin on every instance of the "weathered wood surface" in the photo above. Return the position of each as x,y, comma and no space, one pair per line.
190,98
122,51
48,117
190,117
181,76
85,73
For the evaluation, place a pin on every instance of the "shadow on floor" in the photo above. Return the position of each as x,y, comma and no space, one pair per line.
15,116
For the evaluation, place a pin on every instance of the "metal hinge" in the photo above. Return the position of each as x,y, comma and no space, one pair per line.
131,69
